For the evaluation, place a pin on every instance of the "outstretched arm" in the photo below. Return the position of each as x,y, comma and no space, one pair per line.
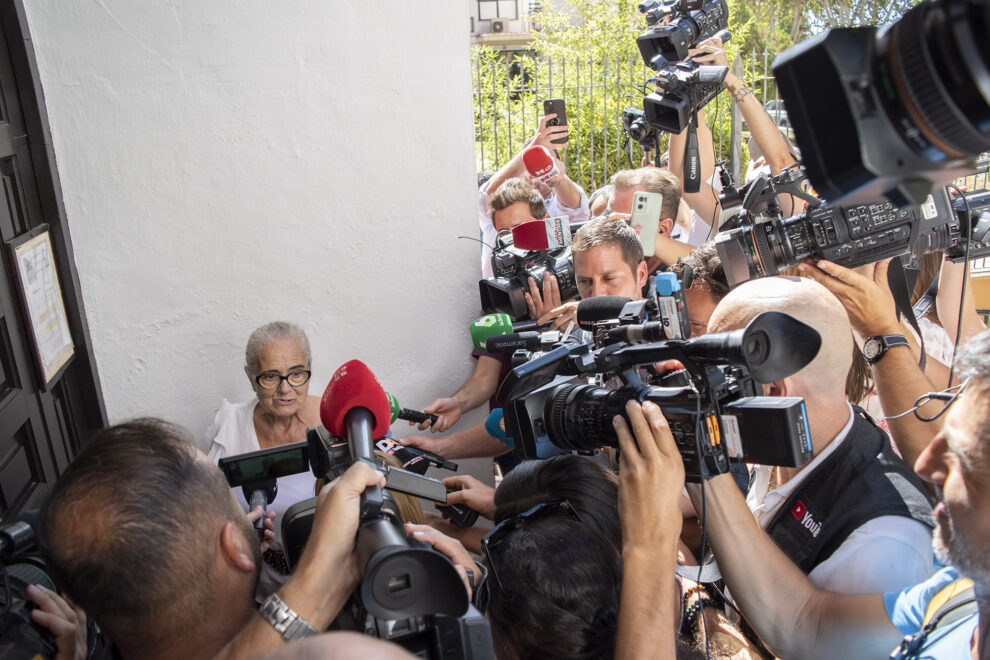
477,389
516,167
899,381
651,477
947,303
792,616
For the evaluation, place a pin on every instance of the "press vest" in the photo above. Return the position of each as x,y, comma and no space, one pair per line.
861,480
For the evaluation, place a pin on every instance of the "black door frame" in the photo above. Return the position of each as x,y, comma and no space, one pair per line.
72,414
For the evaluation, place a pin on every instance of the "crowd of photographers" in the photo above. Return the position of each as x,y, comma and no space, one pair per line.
643,546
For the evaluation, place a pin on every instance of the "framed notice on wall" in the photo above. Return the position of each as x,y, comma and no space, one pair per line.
41,298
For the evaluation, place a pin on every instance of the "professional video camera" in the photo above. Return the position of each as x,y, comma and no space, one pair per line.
682,87
855,235
20,636
637,128
512,267
411,593
892,113
712,405
758,198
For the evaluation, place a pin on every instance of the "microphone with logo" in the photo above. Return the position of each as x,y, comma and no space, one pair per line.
402,577
540,164
496,325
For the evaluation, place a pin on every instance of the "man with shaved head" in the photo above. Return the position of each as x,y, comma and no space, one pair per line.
855,518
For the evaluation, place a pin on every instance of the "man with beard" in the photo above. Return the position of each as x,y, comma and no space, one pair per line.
947,616
143,532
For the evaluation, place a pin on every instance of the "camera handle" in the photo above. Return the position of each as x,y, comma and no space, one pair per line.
260,492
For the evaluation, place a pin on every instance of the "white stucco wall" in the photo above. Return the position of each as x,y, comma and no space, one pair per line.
224,164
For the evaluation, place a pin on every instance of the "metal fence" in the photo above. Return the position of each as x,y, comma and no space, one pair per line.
508,112
508,95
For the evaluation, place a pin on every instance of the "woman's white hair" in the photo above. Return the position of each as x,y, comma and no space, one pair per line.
272,332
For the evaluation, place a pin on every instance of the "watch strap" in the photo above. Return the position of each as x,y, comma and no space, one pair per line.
287,623
886,343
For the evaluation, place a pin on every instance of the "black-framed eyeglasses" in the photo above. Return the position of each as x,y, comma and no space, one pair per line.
494,539
949,396
272,380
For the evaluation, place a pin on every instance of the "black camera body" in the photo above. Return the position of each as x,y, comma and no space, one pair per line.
683,87
856,235
511,267
712,406
636,126
687,87
892,113
22,565
690,23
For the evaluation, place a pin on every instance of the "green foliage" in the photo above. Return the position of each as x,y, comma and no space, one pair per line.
586,53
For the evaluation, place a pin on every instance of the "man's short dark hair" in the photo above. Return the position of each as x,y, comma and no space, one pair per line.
608,232
706,266
517,190
129,532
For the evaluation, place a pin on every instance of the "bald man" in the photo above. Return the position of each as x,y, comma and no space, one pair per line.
855,519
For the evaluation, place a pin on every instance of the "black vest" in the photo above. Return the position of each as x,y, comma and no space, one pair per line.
861,480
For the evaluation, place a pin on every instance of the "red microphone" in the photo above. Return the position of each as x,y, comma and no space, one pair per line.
540,163
545,234
355,406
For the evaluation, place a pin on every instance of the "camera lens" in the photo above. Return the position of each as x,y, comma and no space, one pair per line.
579,417
931,66
637,129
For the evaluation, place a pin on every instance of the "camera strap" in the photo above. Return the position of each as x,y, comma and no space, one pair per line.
927,301
897,279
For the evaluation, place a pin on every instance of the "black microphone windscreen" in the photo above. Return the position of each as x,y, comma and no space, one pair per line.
600,308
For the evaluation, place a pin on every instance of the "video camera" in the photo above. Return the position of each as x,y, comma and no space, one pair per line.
850,235
512,267
682,87
411,594
22,565
712,405
895,112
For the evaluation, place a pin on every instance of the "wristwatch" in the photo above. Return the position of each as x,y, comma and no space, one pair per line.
287,623
875,347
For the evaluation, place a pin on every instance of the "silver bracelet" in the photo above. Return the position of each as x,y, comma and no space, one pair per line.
287,623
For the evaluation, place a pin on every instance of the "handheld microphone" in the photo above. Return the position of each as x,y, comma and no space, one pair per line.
414,459
398,412
259,498
355,406
495,426
545,234
493,325
673,307
529,341
592,313
540,164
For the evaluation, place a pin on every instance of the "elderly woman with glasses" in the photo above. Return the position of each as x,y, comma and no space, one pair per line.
278,365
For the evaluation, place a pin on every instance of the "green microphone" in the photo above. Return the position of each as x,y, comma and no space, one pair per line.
398,412
496,325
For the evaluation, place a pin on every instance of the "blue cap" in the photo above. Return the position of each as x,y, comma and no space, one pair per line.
667,284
